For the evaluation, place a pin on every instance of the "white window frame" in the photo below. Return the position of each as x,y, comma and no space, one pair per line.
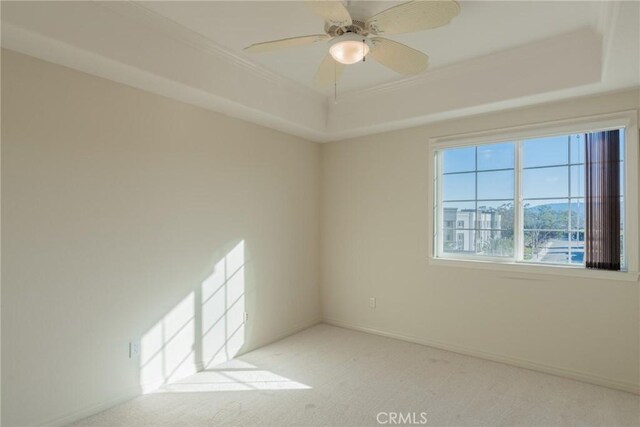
625,119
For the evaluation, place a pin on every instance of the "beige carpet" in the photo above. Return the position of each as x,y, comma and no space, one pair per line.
333,376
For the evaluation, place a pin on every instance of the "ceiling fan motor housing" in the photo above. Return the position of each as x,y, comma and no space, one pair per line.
357,27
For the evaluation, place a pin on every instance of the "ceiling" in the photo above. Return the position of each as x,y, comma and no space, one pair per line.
493,55
479,29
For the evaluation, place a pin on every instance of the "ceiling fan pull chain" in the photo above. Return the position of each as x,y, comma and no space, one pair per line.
364,55
335,82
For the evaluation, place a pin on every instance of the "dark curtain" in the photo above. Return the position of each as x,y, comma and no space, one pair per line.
602,200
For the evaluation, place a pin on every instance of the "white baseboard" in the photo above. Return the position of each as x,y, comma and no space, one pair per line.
283,334
295,329
522,363
122,397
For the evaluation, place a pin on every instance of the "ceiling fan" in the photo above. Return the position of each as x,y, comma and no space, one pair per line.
351,40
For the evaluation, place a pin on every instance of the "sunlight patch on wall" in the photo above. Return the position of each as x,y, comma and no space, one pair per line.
167,350
223,309
204,329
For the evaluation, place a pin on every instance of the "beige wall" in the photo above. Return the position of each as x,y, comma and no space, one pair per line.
123,215
129,216
374,244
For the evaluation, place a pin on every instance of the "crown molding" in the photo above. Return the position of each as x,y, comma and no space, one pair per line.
477,84
538,48
521,104
33,44
172,60
605,25
218,80
156,22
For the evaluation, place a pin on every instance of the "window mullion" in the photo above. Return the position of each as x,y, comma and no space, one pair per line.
440,220
569,239
518,217
475,226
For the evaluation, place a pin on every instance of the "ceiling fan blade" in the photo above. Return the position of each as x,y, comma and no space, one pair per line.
331,11
415,15
328,72
285,43
397,56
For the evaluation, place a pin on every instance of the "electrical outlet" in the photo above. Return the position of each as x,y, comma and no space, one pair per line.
372,302
245,317
134,349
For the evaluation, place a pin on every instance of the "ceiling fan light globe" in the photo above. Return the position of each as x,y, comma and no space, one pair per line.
349,49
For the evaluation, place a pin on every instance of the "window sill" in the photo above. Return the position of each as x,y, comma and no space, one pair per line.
519,267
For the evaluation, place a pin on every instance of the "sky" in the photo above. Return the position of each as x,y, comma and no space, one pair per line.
546,170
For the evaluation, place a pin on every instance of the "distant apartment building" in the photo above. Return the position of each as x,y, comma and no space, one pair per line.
468,230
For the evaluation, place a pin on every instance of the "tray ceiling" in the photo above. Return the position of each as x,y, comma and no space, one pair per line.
494,55
481,28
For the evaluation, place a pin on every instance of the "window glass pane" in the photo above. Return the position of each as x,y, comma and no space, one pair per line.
495,235
494,243
495,185
546,246
496,156
577,148
622,178
623,256
546,214
461,219
456,216
545,182
577,214
577,181
462,213
481,179
495,215
459,160
545,151
557,249
459,186
461,241
577,247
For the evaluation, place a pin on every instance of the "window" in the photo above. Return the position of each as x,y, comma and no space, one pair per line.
553,181
477,196
519,199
